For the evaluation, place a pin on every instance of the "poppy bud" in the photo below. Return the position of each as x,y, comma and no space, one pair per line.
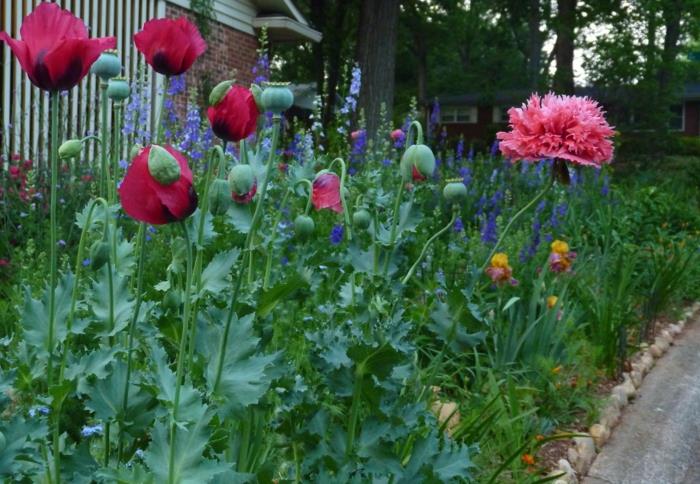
241,179
219,91
257,95
107,65
135,150
219,197
361,218
304,226
172,300
70,149
118,89
163,166
419,156
99,254
454,192
277,97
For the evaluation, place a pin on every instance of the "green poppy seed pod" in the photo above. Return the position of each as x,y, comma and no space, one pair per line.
70,149
304,226
454,192
107,65
361,219
219,197
99,254
163,166
135,150
172,300
219,91
277,97
257,95
118,89
241,179
420,156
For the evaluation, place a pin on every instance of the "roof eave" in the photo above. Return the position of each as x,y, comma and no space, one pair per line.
285,29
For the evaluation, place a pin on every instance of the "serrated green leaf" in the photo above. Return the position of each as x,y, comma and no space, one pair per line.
106,397
244,379
208,232
215,276
190,405
111,322
35,316
240,217
279,293
449,330
93,363
190,467
19,434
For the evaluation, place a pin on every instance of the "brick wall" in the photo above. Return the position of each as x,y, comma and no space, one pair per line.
230,54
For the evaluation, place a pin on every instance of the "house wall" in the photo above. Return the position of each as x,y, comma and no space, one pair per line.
231,54
692,118
483,130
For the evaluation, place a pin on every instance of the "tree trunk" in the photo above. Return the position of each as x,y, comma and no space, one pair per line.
564,47
421,52
376,55
673,10
318,20
534,60
334,52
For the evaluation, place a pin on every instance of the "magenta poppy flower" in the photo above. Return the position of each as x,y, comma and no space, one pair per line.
246,197
147,200
326,192
55,50
569,128
235,116
170,45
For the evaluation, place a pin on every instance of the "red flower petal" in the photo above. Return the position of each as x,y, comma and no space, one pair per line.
144,199
326,192
235,117
170,45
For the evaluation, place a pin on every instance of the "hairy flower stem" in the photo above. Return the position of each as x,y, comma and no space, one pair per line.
247,247
179,376
104,175
515,217
394,227
199,246
116,150
159,129
273,238
343,176
428,243
54,100
355,407
141,238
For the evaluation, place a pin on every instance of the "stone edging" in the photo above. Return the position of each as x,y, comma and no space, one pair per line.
586,447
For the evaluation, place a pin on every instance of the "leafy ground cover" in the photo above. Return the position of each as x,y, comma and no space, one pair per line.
307,329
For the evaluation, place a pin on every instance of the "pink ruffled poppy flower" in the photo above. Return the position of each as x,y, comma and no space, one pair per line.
326,192
568,128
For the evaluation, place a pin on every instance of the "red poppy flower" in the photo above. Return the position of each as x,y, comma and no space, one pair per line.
170,45
235,116
417,175
55,50
326,192
145,199
246,197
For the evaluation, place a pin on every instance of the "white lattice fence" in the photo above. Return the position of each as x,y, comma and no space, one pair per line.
24,108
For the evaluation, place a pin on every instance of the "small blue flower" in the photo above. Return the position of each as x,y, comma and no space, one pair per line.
61,243
86,262
458,226
337,234
89,431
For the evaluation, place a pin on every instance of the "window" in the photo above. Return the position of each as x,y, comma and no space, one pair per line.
459,114
500,114
676,121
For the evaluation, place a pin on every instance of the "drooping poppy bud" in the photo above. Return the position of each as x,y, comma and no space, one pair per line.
170,45
241,179
55,50
421,158
163,166
219,197
70,149
146,199
454,192
99,254
361,218
277,97
235,116
172,300
107,65
219,91
326,192
304,226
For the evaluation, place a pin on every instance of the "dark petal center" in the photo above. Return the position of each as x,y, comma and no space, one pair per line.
163,64
69,75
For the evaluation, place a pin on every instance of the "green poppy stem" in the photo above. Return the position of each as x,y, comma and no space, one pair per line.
181,355
104,176
428,243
